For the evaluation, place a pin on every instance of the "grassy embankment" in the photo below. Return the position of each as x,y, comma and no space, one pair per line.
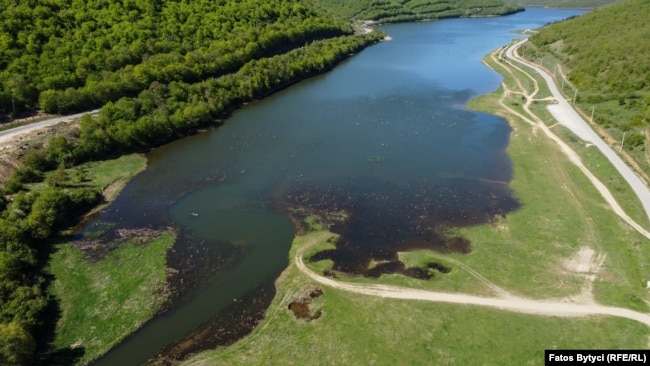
109,296
358,329
594,160
603,60
565,212
522,253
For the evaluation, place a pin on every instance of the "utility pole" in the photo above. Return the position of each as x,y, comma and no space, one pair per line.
593,107
13,105
554,70
575,96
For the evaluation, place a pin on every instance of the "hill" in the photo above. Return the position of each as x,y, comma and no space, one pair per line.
605,54
575,4
409,10
62,56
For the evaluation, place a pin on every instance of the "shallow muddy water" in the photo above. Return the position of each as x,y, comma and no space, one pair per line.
383,137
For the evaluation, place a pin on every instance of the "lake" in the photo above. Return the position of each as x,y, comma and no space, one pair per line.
383,139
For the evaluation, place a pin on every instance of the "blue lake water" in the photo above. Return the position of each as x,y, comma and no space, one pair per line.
384,137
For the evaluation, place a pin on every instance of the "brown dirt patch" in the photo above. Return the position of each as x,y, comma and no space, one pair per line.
301,305
95,249
11,151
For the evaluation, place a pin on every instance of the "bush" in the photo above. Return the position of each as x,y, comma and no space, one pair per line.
16,344
19,177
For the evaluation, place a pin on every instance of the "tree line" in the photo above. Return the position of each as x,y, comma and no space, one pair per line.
64,56
573,4
386,11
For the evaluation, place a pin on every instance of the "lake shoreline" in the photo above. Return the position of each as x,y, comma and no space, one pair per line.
255,101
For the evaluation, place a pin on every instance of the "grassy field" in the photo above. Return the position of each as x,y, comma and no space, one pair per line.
109,294
108,176
563,212
105,300
107,172
356,329
527,253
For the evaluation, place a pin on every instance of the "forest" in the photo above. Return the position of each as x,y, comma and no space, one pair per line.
574,4
160,70
605,53
65,56
412,10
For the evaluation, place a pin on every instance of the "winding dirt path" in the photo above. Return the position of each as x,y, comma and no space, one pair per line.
568,117
504,301
565,114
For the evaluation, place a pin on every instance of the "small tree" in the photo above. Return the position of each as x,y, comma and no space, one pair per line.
58,178
16,345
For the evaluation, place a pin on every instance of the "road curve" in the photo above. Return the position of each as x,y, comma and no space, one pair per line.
566,115
8,135
508,303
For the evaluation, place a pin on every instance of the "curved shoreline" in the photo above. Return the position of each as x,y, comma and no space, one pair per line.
504,302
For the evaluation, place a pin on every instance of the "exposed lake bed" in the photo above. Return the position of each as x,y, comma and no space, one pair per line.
382,137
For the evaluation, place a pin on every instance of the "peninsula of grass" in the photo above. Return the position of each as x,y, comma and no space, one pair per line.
357,329
104,173
104,299
106,176
106,294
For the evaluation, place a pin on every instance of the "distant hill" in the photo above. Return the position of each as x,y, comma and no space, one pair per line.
408,10
576,4
607,55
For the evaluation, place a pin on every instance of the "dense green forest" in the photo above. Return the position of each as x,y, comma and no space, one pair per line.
161,70
409,10
63,56
607,55
575,4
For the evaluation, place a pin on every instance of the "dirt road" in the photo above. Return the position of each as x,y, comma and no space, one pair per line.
565,114
505,302
575,123
9,135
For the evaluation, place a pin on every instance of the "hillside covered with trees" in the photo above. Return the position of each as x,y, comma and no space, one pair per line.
63,56
161,69
575,4
606,55
410,10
